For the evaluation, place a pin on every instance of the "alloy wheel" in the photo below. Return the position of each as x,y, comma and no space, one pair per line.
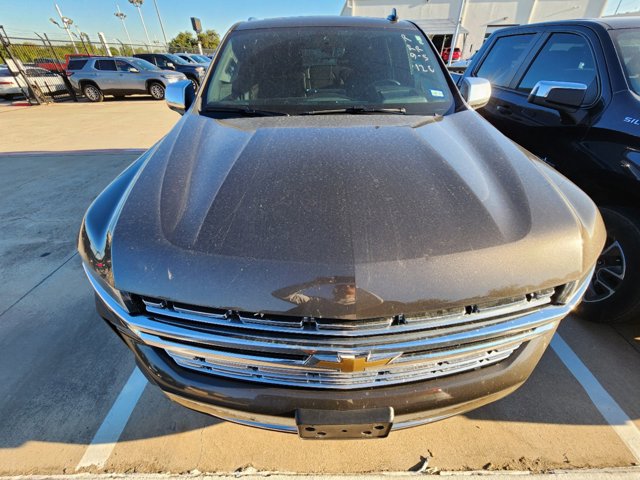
92,93
609,274
157,91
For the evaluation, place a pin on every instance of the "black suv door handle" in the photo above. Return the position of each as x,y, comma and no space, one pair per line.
504,109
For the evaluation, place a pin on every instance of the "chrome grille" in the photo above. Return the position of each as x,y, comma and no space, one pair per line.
466,315
308,352
302,376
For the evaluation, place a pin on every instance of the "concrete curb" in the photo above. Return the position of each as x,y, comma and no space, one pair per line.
102,151
625,473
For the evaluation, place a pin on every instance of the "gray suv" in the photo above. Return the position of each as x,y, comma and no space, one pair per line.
96,77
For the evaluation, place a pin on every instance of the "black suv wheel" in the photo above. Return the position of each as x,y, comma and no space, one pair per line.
614,293
195,83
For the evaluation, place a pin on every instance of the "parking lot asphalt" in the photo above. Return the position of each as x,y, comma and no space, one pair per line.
137,122
62,370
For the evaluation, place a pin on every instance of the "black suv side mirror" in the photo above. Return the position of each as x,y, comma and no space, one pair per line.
561,96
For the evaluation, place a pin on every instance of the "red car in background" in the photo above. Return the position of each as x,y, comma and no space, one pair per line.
53,65
457,54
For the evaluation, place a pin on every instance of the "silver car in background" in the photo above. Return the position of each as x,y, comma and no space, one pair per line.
96,77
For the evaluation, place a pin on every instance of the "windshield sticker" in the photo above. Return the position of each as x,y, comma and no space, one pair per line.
417,55
437,93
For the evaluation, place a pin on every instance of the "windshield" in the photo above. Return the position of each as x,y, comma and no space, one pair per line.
628,44
314,69
176,59
142,64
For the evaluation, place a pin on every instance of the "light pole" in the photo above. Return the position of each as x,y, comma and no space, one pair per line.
122,16
138,4
80,36
155,4
66,21
456,33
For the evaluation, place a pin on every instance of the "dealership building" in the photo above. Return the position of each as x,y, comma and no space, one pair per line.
479,18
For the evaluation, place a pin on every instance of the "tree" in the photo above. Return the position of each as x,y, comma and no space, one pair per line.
187,40
209,39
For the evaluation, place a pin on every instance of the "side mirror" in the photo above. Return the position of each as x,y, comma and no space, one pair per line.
476,91
133,70
171,65
180,96
561,96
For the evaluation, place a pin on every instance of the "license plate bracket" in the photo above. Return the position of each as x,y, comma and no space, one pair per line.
333,424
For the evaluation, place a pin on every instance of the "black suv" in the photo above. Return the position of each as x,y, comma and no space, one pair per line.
570,92
168,61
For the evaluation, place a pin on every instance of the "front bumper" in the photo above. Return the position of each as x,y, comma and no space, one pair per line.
274,407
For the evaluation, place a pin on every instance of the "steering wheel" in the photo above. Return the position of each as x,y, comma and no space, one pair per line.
386,82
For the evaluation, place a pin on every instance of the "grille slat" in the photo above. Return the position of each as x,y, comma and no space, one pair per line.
304,377
388,344
352,328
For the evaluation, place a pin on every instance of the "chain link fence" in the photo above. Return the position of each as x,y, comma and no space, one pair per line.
38,64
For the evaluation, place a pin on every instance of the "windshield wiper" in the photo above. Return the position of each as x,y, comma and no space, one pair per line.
245,111
357,110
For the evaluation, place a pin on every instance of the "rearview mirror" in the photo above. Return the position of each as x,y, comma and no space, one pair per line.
171,65
133,70
476,91
180,96
561,96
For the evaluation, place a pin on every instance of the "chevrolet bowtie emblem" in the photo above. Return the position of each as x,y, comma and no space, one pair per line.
349,363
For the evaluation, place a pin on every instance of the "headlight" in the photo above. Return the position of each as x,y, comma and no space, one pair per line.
568,291
106,291
171,78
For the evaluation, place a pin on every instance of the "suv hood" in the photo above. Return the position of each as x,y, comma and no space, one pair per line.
268,214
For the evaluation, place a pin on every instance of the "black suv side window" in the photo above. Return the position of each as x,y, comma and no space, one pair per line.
162,61
565,57
504,58
106,65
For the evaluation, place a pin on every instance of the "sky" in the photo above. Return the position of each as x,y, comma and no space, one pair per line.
22,17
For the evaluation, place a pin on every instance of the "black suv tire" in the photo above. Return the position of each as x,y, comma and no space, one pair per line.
614,293
92,92
194,82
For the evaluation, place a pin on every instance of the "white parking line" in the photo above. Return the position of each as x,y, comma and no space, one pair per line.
606,405
105,439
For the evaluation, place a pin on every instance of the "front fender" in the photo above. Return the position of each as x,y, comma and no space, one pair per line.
94,239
